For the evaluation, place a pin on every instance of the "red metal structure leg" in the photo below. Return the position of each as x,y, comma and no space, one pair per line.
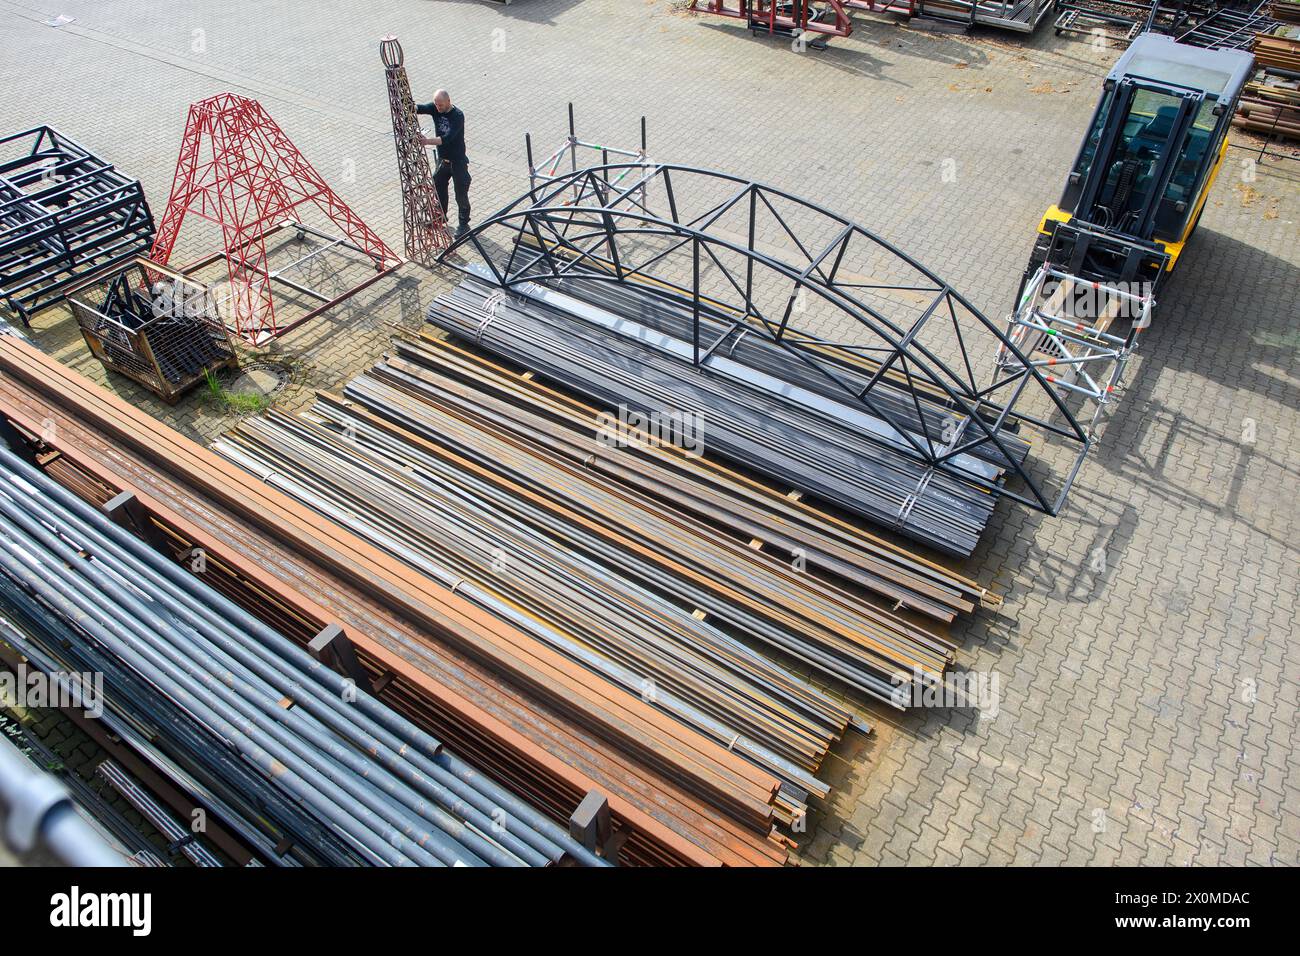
239,170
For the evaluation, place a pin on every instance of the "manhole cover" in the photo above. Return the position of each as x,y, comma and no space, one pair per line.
260,378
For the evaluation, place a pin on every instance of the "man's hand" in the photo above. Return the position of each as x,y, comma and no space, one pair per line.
431,140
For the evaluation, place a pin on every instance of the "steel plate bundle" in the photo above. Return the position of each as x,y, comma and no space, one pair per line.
769,424
300,756
64,214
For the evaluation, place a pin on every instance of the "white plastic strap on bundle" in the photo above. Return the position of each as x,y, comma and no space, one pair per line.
732,350
905,511
490,305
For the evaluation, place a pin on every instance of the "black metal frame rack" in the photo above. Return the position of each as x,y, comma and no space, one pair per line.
64,214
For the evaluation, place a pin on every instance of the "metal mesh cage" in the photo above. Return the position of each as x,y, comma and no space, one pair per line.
153,325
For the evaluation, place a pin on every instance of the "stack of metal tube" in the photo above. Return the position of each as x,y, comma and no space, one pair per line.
307,767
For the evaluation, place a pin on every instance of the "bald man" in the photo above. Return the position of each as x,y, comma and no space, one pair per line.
453,164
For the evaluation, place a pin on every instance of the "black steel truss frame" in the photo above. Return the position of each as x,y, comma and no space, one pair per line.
581,227
64,213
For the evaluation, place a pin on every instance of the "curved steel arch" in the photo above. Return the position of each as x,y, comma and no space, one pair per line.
588,225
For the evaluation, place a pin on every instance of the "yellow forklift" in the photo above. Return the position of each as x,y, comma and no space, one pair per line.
1134,196
1156,143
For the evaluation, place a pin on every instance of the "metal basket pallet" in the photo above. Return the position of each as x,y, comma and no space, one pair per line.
153,325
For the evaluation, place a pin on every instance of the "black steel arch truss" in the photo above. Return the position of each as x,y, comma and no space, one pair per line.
596,225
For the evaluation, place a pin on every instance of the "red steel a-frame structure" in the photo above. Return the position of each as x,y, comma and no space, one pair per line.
239,170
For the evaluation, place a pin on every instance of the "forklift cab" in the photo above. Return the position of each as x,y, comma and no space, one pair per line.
1153,149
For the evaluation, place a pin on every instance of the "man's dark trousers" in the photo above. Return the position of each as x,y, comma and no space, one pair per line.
457,170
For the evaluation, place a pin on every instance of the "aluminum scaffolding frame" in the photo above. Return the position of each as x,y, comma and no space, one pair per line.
539,174
710,258
1066,315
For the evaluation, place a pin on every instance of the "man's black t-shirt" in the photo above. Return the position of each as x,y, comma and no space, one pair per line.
450,126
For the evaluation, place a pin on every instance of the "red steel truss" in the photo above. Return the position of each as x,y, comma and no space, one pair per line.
424,222
827,17
239,170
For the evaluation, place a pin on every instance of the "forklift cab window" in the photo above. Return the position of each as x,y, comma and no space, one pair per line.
1132,166
1182,185
1090,143
1127,175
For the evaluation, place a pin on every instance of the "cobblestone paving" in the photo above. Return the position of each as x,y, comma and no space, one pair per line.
1147,649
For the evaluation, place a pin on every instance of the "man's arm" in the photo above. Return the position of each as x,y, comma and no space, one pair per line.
427,109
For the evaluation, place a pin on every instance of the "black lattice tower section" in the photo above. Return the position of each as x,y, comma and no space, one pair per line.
424,222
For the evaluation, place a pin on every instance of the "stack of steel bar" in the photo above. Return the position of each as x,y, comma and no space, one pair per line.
514,512
1271,104
185,841
174,653
1279,49
837,452
541,541
1285,11
545,727
413,427
720,499
64,214
909,401
521,563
